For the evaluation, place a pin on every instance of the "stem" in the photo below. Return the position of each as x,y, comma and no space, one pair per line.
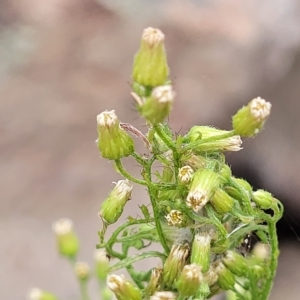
83,290
169,142
122,170
273,262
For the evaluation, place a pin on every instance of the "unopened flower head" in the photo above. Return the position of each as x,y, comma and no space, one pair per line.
112,207
67,241
201,255
221,201
101,263
62,226
175,218
157,107
236,263
249,120
175,263
261,251
150,66
38,294
202,188
82,270
185,174
113,141
226,279
189,280
154,281
164,296
263,199
210,277
123,289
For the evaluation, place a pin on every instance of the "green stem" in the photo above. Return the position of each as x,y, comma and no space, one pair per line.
83,290
169,142
122,170
274,261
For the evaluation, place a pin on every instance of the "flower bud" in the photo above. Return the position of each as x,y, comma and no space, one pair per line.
232,143
226,279
221,201
154,281
67,241
175,263
203,186
195,161
157,107
38,294
263,199
150,66
261,251
236,263
185,174
210,277
225,173
175,218
82,270
123,289
113,141
101,264
189,280
201,251
112,207
249,120
164,296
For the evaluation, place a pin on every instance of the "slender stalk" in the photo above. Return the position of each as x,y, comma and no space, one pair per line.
274,261
83,290
122,170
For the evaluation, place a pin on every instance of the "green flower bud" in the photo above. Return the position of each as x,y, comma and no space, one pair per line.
175,263
38,294
82,270
113,141
150,66
203,186
189,280
259,271
225,173
157,107
232,143
185,174
123,290
196,162
236,263
221,201
249,120
67,241
112,207
201,251
154,281
101,264
165,295
226,279
263,199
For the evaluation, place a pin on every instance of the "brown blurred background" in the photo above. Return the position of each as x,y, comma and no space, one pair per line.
64,61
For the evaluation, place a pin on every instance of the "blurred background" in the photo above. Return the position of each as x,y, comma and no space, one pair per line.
64,61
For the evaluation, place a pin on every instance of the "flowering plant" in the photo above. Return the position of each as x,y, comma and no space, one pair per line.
199,213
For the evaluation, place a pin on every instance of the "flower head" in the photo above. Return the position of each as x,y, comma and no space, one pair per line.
82,270
201,251
123,289
67,241
112,207
158,105
113,141
185,174
164,296
38,294
249,120
202,189
150,66
175,218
